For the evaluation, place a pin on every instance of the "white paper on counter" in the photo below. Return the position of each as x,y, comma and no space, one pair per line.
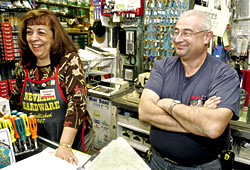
118,155
46,160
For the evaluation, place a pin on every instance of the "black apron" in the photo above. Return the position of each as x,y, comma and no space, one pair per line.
45,100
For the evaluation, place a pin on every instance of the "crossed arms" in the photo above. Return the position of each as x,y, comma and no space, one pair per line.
207,121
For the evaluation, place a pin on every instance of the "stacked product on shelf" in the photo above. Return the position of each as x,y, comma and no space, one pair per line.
6,42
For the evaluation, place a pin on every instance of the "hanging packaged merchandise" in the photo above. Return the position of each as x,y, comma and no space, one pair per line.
218,52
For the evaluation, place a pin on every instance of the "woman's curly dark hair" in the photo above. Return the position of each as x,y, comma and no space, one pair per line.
62,43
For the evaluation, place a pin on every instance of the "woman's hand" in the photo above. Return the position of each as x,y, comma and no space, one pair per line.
212,102
66,154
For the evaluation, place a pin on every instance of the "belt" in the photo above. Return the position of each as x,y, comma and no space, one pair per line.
183,164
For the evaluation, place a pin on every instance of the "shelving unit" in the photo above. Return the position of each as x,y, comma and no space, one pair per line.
131,125
137,146
135,128
241,160
240,131
61,4
75,11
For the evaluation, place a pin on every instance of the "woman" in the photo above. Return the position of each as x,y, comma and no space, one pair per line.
50,80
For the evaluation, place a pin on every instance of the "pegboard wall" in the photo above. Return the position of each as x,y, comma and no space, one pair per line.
160,17
240,37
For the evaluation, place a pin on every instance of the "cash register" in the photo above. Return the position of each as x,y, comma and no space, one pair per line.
110,87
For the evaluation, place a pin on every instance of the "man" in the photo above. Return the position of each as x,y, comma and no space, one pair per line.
183,136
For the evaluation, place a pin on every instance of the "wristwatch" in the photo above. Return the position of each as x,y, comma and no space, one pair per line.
174,102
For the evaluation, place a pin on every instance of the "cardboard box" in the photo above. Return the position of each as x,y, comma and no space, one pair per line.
138,123
6,24
4,106
5,95
122,119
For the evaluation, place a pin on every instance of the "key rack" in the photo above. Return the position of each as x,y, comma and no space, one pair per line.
160,17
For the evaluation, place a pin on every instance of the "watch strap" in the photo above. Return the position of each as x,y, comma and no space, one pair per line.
174,102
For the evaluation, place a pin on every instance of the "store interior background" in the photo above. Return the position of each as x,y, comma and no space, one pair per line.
123,39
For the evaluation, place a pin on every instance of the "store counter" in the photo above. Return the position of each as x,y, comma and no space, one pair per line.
118,154
44,158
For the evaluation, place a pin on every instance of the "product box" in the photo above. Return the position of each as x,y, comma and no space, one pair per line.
12,84
3,91
10,57
4,106
5,95
122,119
6,149
7,36
3,84
138,123
5,24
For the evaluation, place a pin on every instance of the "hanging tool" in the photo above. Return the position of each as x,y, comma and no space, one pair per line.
8,124
33,128
21,131
26,127
17,136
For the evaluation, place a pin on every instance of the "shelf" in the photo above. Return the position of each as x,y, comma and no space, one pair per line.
137,146
8,61
133,128
238,158
63,5
240,129
120,102
242,19
14,10
80,33
242,160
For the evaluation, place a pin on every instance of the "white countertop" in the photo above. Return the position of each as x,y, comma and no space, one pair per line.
46,160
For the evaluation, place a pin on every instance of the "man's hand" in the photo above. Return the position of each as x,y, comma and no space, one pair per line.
212,102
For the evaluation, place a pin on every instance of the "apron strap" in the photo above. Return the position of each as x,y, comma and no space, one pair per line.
58,85
83,125
26,77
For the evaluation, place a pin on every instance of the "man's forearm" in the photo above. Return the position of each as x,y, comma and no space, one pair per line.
157,117
199,120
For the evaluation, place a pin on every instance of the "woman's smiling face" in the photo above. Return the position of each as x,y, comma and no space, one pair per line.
40,39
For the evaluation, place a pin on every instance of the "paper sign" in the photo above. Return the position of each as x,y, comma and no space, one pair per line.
219,19
127,5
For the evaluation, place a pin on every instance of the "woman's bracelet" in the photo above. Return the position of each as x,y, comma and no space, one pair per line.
65,144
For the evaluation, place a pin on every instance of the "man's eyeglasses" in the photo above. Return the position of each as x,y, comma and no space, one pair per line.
185,33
